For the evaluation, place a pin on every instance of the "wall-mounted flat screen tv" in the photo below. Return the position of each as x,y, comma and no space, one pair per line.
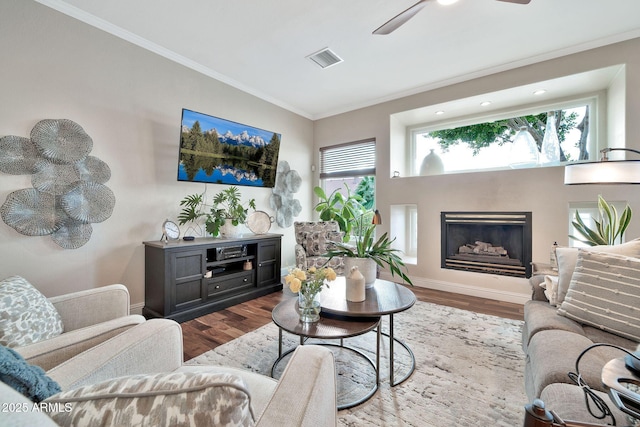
219,151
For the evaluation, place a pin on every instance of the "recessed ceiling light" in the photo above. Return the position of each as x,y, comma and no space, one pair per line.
447,2
485,103
540,92
440,112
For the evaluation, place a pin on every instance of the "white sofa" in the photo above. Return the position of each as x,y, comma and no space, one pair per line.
82,320
90,317
138,379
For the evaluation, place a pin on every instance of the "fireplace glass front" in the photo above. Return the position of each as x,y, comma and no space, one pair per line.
487,242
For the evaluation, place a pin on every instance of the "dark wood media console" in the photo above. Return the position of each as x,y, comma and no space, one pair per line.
188,279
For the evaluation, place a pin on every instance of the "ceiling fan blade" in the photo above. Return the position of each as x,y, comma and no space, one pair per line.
395,22
517,1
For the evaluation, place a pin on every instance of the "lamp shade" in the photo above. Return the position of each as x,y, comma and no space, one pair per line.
603,172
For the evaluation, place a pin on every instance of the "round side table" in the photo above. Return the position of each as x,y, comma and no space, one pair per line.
383,298
285,316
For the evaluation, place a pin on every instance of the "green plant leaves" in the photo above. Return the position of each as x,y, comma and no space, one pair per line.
319,192
340,208
379,251
191,211
607,229
227,204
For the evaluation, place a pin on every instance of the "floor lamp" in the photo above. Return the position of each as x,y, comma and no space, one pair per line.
604,171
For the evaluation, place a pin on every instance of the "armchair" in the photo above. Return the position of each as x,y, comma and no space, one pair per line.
138,379
89,318
313,239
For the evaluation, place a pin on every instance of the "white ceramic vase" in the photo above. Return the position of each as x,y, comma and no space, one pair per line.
367,267
432,164
355,286
230,231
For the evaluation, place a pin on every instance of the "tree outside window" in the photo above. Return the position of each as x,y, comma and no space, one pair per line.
487,145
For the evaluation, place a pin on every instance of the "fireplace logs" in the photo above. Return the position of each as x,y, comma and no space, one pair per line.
483,253
482,248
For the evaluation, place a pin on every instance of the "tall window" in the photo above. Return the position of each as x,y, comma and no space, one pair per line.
353,164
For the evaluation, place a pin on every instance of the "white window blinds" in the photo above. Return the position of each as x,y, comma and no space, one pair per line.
350,159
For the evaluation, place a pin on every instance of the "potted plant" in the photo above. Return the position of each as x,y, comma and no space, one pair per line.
345,210
607,229
223,216
368,253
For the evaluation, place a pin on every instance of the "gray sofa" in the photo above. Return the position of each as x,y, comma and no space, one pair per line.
552,341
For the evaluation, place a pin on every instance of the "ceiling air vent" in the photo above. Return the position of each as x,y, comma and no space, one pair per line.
325,58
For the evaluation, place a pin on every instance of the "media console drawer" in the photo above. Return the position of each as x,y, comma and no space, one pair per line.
236,281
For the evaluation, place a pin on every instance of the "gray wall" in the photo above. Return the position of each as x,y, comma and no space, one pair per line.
540,191
129,101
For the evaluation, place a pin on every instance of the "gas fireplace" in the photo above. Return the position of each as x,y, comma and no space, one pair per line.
487,242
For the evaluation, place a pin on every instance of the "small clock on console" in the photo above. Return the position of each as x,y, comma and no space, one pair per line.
170,231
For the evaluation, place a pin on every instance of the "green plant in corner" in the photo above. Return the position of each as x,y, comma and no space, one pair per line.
607,229
227,205
380,251
337,207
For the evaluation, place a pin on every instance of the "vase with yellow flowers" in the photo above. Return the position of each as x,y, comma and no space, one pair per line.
308,284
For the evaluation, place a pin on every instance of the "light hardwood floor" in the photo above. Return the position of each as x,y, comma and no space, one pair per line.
209,331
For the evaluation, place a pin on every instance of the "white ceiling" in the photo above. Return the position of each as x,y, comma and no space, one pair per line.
260,46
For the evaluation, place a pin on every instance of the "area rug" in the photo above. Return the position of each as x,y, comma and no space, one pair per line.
469,369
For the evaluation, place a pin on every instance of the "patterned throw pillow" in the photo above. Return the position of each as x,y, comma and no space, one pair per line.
567,258
26,316
303,228
605,293
318,242
165,399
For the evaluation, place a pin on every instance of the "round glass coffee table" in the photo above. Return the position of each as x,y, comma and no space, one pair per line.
383,298
329,327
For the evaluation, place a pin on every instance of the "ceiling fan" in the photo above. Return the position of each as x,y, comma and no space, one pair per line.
398,20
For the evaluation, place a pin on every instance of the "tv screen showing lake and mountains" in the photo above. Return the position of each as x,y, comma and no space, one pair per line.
219,151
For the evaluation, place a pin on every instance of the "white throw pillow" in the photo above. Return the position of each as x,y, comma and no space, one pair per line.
567,258
550,286
26,316
605,293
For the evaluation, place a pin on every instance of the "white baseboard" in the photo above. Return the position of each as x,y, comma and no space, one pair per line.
136,308
458,288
